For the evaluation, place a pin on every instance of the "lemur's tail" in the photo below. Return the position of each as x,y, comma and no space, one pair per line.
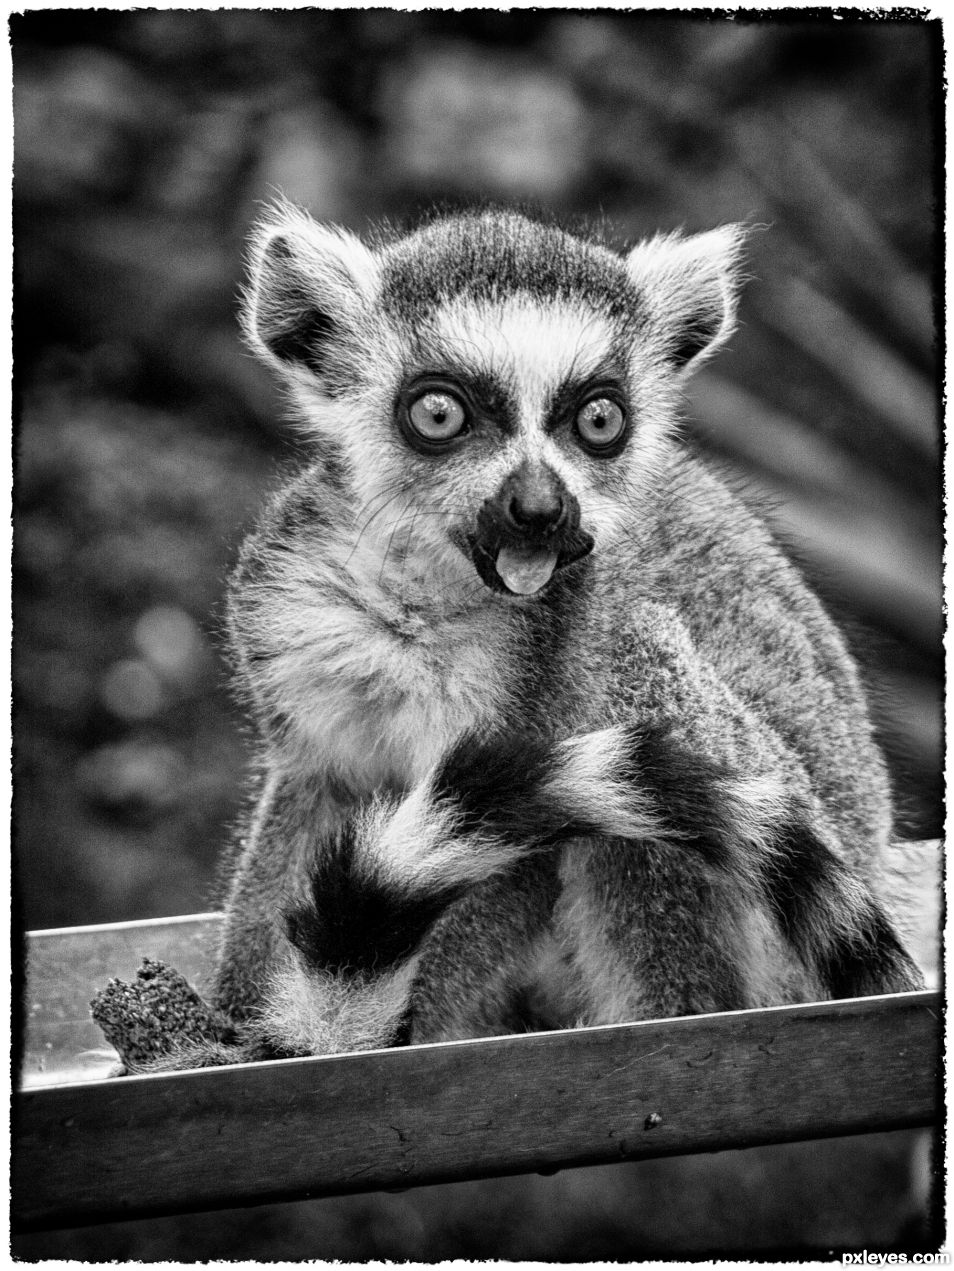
400,861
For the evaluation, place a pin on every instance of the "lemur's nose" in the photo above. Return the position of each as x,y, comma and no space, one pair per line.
534,500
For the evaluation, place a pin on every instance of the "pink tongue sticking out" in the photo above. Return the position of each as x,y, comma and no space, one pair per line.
525,570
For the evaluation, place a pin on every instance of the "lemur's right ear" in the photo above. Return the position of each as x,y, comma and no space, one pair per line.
308,286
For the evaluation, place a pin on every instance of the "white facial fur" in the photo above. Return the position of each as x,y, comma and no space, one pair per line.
530,349
406,503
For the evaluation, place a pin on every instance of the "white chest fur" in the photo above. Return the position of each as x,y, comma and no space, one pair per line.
375,692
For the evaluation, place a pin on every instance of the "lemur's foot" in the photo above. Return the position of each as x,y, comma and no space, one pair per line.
160,1022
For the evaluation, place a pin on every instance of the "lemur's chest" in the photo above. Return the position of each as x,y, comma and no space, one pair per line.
390,692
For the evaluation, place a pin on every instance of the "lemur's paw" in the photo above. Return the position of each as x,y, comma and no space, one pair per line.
159,1020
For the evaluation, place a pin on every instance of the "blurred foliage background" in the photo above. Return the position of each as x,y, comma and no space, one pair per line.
146,437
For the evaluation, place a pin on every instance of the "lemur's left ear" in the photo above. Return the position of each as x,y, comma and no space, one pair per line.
689,286
308,286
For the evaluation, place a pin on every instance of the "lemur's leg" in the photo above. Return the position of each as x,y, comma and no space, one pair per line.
272,870
480,965
653,932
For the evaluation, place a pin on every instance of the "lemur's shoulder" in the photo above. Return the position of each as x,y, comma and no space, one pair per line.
706,545
721,599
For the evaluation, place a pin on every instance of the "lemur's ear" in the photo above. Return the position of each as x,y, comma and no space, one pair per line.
308,285
689,286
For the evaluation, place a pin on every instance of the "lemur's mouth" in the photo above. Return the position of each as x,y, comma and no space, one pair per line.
527,532
524,568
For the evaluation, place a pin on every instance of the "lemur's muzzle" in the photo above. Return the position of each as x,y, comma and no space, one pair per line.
527,531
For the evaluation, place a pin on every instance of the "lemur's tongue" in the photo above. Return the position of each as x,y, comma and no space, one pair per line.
525,570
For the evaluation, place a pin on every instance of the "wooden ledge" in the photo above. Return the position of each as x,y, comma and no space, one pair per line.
399,1118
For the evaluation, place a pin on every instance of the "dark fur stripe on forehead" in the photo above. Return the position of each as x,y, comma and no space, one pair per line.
489,255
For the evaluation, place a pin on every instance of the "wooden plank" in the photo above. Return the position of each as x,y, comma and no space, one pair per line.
423,1114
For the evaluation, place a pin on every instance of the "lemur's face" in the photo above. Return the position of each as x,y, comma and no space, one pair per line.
500,391
515,417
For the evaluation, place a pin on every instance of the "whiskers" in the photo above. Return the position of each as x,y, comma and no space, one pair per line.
403,545
404,538
378,507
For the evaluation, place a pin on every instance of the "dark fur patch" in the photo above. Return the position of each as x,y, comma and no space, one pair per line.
356,923
806,883
695,335
486,256
303,341
802,876
871,961
335,468
684,784
302,509
496,785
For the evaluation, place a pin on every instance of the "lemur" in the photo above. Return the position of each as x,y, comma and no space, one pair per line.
552,733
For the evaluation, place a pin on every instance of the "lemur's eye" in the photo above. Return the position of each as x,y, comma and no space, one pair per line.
600,422
437,416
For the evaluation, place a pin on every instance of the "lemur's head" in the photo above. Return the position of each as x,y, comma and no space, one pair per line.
499,390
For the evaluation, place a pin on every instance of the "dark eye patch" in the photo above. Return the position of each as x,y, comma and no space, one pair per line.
487,400
565,402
